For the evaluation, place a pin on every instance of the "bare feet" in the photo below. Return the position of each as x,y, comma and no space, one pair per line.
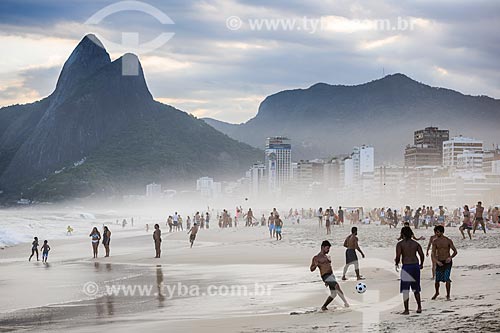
419,310
343,278
324,308
435,296
448,298
360,278
346,305
405,312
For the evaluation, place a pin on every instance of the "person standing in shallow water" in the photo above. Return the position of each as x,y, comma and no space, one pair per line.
96,237
34,249
106,239
157,240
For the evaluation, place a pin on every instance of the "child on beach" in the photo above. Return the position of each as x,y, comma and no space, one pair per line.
34,249
45,251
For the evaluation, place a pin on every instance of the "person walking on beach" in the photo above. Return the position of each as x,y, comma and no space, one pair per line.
478,217
324,263
466,225
279,225
351,243
193,231
406,251
157,240
45,251
106,239
34,249
96,237
441,248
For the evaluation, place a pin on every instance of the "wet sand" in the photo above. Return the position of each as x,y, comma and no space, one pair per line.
51,297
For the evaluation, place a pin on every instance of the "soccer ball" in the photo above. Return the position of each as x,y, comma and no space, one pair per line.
361,287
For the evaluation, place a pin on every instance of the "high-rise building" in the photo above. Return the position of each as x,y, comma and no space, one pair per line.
153,190
208,188
427,148
256,176
278,162
491,161
458,146
431,136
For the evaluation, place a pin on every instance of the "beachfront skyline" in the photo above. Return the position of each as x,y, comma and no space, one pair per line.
220,64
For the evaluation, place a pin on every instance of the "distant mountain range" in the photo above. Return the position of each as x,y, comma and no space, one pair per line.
101,132
324,119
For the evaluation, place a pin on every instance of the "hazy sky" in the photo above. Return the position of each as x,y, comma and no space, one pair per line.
220,64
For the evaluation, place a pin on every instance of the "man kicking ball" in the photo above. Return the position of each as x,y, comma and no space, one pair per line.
324,263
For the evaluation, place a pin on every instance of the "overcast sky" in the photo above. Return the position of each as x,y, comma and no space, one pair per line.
220,64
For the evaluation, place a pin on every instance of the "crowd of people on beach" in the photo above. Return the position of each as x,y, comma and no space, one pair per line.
409,252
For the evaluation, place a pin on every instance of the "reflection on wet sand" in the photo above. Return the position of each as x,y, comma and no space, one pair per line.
159,284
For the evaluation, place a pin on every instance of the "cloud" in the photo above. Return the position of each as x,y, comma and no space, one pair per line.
209,70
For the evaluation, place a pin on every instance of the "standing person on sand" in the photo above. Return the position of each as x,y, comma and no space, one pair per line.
324,263
466,225
441,251
478,217
207,220
278,225
407,249
320,217
34,249
270,224
328,221
157,240
106,239
351,243
96,237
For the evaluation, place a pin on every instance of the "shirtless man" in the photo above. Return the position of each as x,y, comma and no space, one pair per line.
441,252
324,263
478,217
270,225
193,231
410,272
351,243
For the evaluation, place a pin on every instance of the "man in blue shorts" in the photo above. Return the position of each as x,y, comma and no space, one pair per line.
441,247
407,249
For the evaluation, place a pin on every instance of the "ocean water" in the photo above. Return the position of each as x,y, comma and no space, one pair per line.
21,225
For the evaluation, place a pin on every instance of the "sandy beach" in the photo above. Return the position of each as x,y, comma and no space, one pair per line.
239,280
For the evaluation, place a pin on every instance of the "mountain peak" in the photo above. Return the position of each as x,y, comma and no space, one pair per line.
87,57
